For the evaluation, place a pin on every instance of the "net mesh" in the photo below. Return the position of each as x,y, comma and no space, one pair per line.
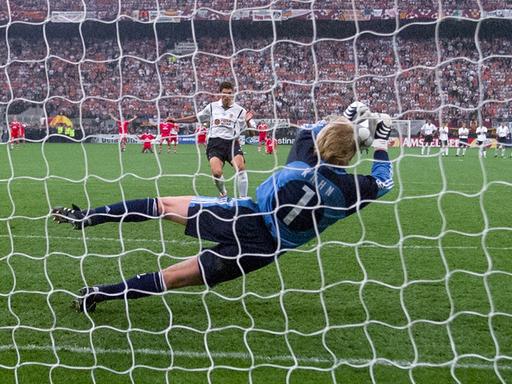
413,288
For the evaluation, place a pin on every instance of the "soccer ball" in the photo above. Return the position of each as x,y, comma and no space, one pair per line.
364,134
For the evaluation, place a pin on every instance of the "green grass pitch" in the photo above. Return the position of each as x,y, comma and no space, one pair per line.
414,288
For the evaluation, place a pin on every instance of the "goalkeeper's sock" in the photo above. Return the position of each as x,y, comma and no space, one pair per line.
143,285
243,183
128,211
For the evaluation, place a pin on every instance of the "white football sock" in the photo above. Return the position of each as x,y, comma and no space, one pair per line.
243,183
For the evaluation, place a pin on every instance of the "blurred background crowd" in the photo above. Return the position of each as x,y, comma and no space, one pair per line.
452,71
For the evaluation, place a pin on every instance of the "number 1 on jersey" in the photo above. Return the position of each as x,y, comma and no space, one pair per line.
304,200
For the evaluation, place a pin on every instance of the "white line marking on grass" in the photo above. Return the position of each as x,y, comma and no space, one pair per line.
196,242
107,239
245,356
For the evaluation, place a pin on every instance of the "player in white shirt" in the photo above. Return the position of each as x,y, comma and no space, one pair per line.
427,131
481,140
227,119
443,137
463,133
502,134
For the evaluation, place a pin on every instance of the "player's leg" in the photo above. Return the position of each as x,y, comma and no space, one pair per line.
183,274
237,160
174,208
216,165
461,147
171,208
122,144
242,180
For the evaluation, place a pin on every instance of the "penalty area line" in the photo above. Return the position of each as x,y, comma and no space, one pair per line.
195,242
245,356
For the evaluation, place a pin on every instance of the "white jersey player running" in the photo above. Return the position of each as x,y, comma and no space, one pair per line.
443,137
427,131
227,119
502,134
481,140
463,134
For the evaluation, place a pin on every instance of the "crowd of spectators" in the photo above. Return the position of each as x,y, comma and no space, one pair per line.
291,79
39,10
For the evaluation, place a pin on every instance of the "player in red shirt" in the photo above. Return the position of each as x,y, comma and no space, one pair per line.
122,126
166,129
270,145
262,135
201,131
147,141
14,131
173,136
21,134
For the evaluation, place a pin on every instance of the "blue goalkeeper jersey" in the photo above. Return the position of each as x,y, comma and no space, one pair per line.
308,195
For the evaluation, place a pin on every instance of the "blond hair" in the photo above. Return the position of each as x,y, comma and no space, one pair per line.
336,143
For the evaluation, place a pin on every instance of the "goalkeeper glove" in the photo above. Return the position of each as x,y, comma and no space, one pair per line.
359,113
382,131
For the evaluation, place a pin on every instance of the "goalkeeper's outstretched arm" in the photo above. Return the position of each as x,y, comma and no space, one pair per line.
363,121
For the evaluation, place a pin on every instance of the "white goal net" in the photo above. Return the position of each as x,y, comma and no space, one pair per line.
414,288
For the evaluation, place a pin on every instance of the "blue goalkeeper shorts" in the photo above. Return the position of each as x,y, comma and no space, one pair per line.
244,243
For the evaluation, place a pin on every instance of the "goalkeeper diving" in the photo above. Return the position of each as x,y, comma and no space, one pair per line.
294,205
